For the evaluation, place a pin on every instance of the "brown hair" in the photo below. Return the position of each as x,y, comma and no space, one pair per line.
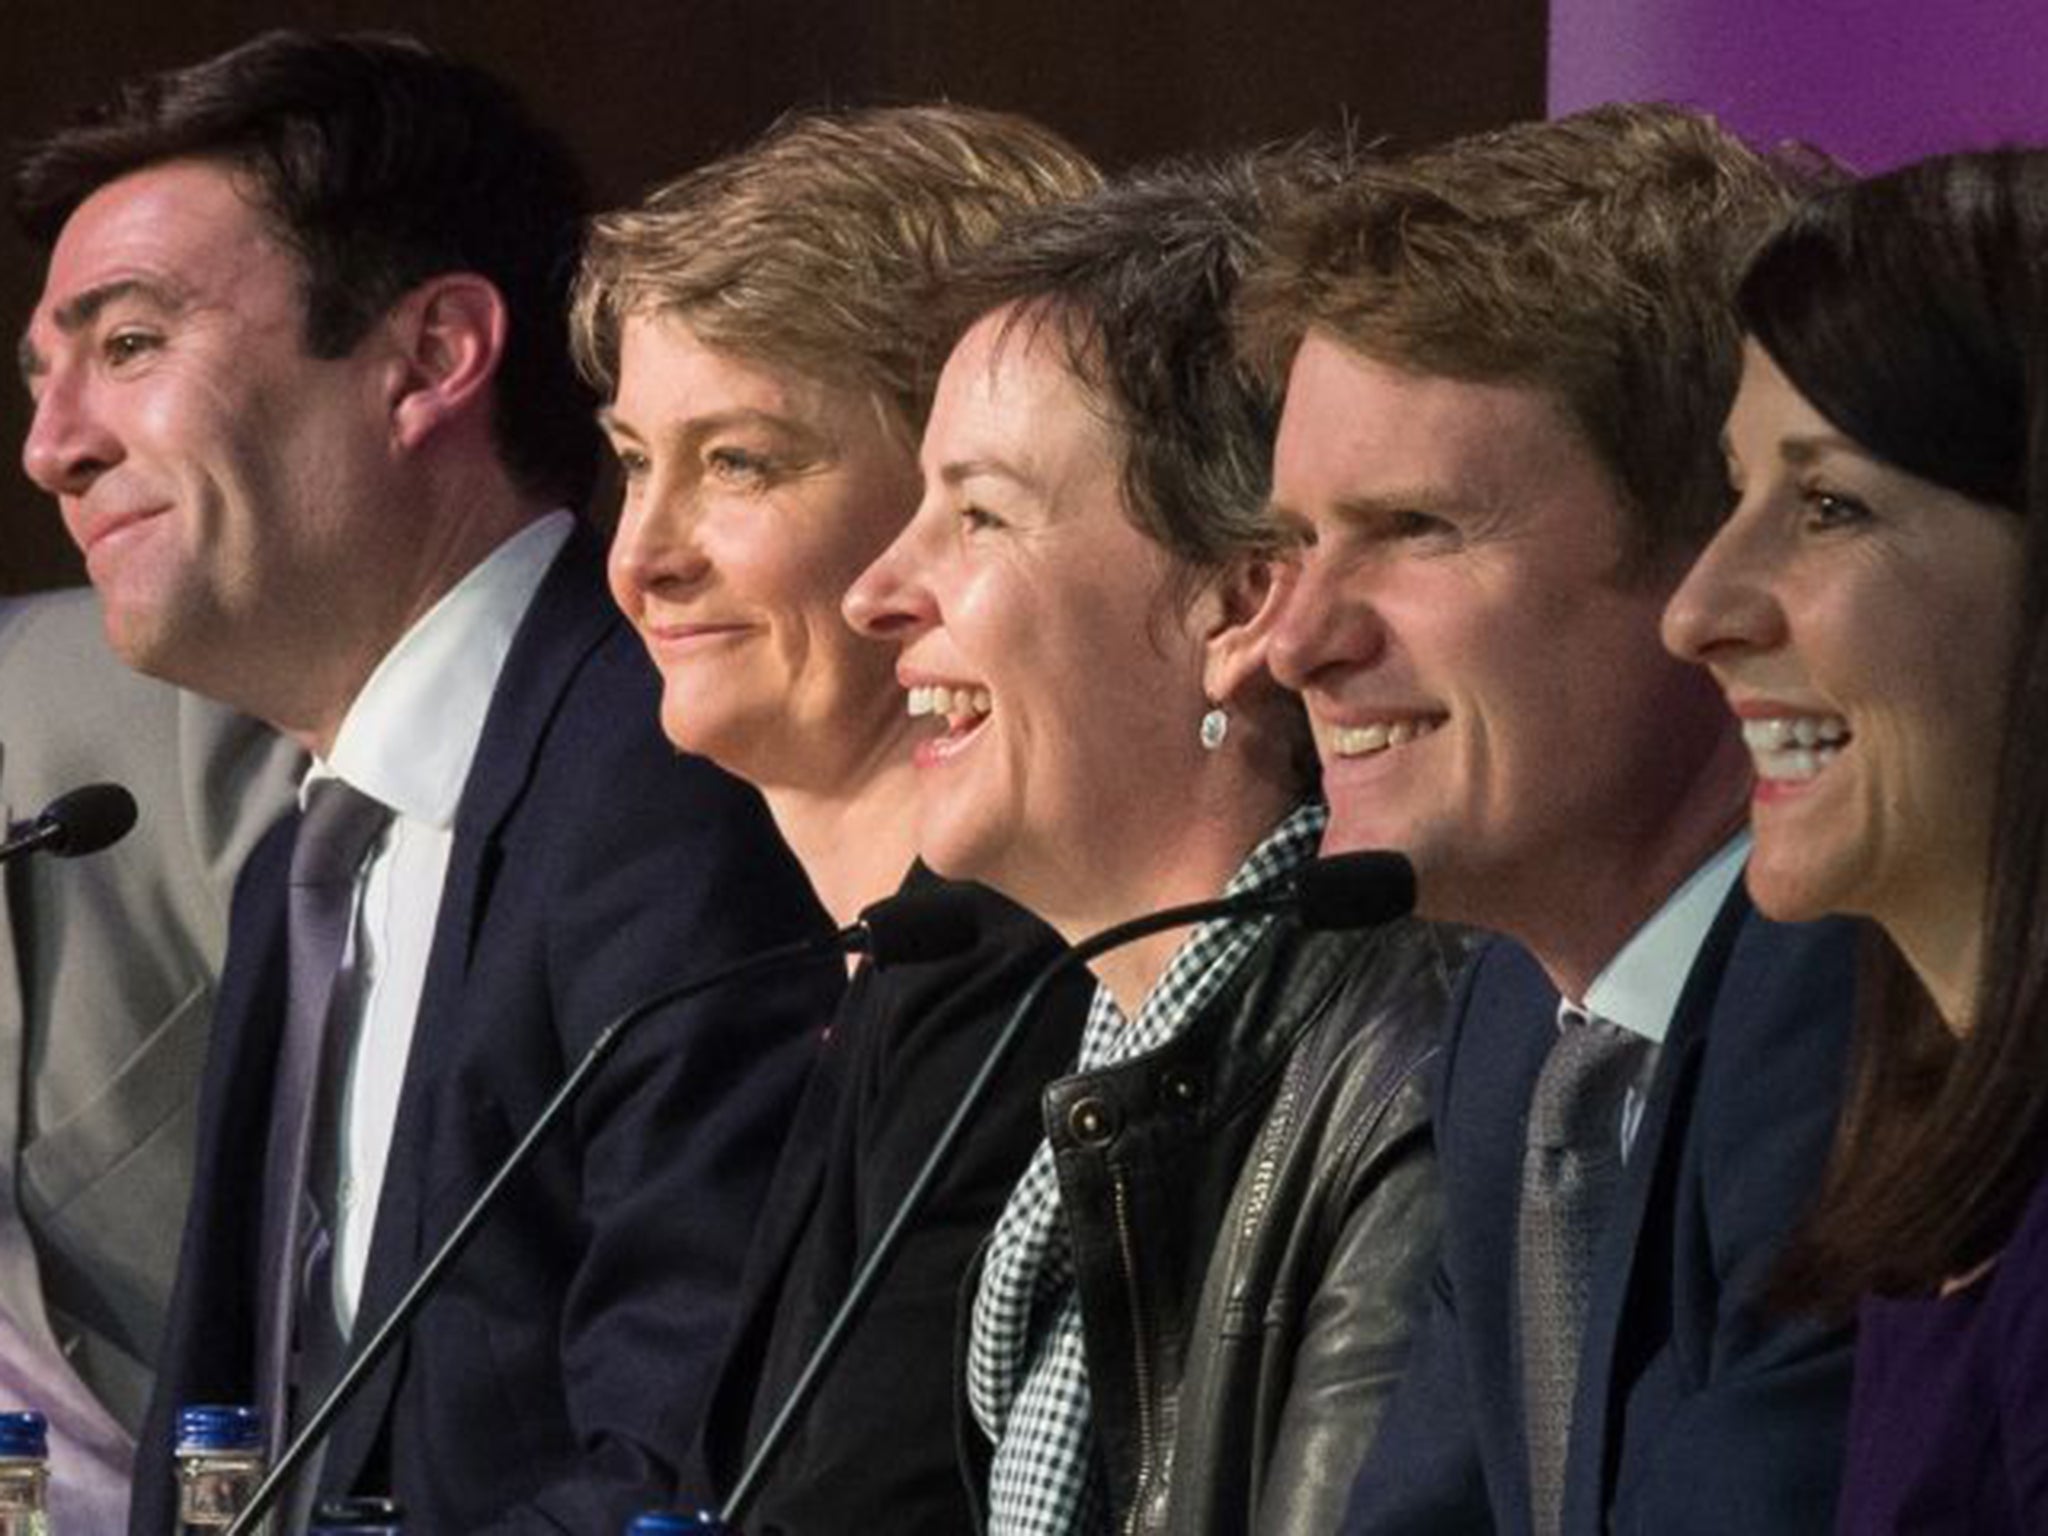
1909,309
1594,258
820,247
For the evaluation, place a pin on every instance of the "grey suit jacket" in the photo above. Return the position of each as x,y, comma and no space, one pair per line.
107,970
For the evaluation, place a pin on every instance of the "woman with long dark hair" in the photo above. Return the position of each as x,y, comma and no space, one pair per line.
1876,609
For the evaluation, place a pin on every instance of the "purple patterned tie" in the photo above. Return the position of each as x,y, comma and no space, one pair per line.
334,837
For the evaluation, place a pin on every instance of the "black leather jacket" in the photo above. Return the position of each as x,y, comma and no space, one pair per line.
1254,1215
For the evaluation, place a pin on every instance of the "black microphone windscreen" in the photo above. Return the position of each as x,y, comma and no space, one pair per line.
919,925
87,819
1355,890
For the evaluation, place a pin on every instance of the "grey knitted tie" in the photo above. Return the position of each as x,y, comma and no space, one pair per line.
1571,1166
334,836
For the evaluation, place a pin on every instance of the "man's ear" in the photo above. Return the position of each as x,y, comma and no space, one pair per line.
1239,613
447,338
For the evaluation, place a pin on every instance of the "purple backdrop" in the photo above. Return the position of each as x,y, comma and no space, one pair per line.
1873,82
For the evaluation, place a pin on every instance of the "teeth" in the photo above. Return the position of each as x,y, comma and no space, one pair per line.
1777,733
1363,740
1793,747
938,699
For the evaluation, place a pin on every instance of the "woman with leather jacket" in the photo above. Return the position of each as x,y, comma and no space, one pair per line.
1199,1294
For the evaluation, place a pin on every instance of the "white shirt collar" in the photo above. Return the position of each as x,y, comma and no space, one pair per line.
411,734
1639,988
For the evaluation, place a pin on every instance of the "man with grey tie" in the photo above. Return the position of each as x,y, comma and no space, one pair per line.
304,399
108,972
1507,361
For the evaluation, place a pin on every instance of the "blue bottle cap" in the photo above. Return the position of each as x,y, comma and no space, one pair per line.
214,1427
24,1433
657,1522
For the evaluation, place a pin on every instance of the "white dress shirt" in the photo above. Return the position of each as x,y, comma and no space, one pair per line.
408,740
1639,988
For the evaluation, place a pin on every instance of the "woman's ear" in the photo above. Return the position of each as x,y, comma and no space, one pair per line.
1239,613
447,339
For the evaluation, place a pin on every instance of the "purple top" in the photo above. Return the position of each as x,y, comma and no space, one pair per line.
1948,1419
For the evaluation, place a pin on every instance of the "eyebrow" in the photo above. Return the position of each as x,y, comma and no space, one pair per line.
81,309
973,469
698,427
1807,450
1366,509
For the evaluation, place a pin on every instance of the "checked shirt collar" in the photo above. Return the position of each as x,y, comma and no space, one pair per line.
1027,1375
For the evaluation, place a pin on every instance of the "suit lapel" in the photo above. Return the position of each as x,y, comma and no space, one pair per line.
13,1015
570,614
1620,1271
20,1294
1508,1023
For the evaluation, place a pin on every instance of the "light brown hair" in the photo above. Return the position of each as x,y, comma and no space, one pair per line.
821,246
1594,258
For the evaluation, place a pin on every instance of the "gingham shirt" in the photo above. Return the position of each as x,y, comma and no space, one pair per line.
1027,1374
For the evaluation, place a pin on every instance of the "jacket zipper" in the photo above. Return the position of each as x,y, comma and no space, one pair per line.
1127,1252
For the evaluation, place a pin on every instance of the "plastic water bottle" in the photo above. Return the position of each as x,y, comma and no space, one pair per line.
220,1464
24,1474
357,1517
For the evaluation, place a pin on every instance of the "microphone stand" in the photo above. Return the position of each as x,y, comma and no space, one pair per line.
1275,896
856,939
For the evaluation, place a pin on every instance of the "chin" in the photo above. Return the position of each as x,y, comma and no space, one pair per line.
1355,830
961,853
1787,895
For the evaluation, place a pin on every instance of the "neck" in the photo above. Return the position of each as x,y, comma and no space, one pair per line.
1131,972
854,842
1945,948
455,529
1204,856
1618,883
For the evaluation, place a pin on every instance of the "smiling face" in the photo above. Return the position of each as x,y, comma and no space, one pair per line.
1488,693
1061,691
1861,621
754,496
226,487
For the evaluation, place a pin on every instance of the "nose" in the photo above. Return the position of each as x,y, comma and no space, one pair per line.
68,445
1322,629
892,600
655,547
1726,605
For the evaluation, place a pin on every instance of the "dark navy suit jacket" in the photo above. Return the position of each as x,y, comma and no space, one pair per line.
550,1384
1697,1411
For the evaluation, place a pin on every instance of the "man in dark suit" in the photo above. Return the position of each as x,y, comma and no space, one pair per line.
302,392
1507,365
108,976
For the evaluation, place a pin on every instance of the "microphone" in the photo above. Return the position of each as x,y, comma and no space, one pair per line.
83,821
1344,891
903,930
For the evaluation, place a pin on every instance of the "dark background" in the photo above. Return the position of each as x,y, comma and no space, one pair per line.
647,88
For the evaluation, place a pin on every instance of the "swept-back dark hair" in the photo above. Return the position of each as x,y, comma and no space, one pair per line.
380,163
1909,310
1136,282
